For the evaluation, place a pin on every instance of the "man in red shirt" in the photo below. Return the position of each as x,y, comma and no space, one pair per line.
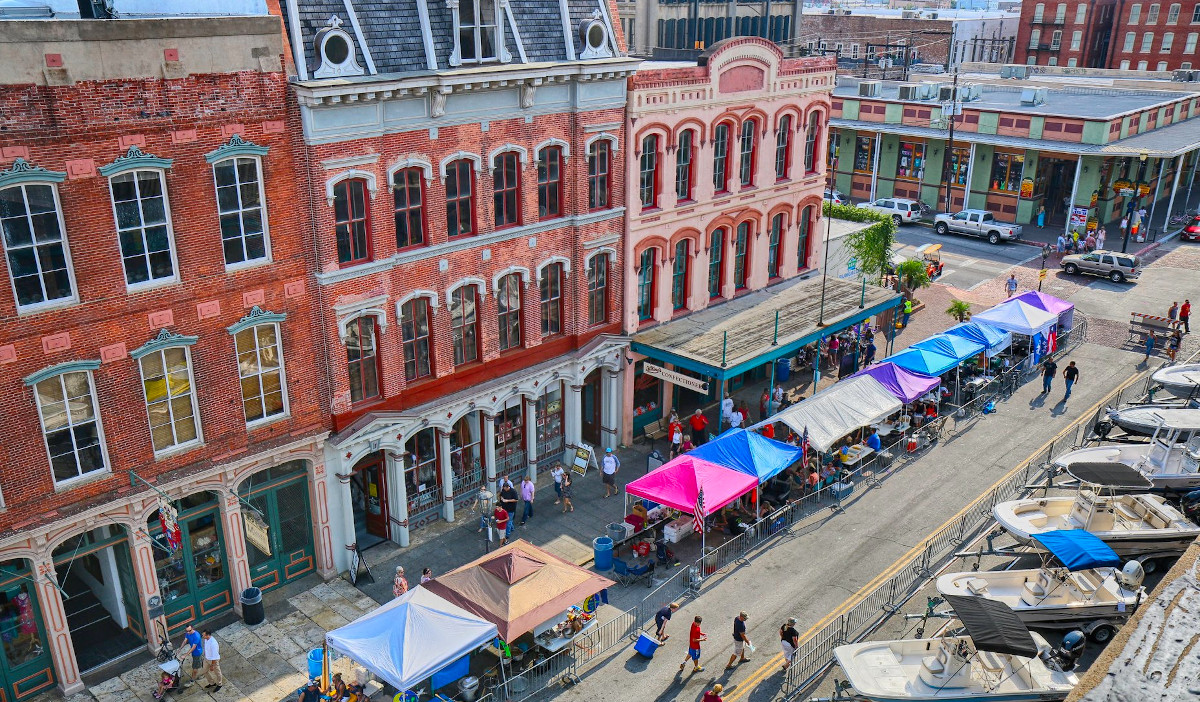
695,636
699,424
1185,314
501,517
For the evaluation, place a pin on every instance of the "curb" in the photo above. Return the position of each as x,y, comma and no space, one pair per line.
1150,247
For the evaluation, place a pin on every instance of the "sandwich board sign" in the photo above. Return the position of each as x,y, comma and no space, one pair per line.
582,456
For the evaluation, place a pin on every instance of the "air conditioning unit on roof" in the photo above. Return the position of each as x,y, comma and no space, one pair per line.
1033,96
1014,70
869,88
911,91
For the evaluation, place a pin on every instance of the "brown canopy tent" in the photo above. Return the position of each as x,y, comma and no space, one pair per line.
517,587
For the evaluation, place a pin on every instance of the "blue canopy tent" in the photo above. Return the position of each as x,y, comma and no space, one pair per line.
994,340
1078,549
957,347
748,452
923,361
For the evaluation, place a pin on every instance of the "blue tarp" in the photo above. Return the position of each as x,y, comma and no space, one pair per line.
994,340
923,361
1078,549
748,452
958,347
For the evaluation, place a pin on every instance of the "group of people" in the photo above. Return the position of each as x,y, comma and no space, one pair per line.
338,691
1072,243
400,583
204,653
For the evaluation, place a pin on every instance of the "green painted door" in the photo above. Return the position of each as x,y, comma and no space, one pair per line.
194,578
25,666
280,495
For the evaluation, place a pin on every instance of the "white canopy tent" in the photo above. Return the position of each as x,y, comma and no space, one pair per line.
412,637
838,410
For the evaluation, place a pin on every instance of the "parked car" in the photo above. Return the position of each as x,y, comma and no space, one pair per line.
1117,267
836,197
1191,231
901,210
979,223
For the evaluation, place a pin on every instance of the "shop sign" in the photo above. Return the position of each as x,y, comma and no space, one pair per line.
1123,185
256,532
1144,189
168,519
1026,188
1079,216
1125,192
684,381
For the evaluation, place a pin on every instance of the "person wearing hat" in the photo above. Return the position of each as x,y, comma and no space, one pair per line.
740,640
714,695
608,472
789,641
310,692
399,583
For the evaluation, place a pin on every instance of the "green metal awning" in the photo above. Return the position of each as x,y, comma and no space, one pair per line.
733,337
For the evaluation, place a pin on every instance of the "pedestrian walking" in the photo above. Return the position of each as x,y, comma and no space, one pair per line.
675,436
1070,375
192,647
1149,346
1173,313
1185,313
687,444
869,358
503,522
399,583
695,636
736,419
661,618
608,472
1011,284
1173,345
557,473
726,408
1124,225
1100,234
1089,244
567,492
212,662
1041,215
508,498
528,489
426,575
1049,368
1061,244
763,401
908,307
740,641
699,424
714,695
789,641
777,397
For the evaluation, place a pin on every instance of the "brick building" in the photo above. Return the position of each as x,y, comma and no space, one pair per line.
157,336
467,211
1141,36
679,24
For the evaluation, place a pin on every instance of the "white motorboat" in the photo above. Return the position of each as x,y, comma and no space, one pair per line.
1149,420
1168,466
1180,381
1084,589
1131,524
999,660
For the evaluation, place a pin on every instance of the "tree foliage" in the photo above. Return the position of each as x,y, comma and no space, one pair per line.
913,274
870,246
959,310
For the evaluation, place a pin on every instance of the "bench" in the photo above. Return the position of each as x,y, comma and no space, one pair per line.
655,430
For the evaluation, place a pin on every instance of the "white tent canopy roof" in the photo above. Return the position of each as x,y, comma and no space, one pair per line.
412,637
1017,317
838,410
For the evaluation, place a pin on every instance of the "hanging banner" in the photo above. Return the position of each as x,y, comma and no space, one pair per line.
168,519
683,381
1079,216
256,532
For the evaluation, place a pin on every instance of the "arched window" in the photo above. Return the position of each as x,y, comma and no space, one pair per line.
508,310
783,148
716,257
721,158
506,189
776,235
71,424
409,199
648,172
352,221
260,371
1039,10
550,288
741,244
598,290
810,142
464,324
170,398
599,167
802,242
645,284
460,199
679,274
746,151
550,182
684,153
362,358
416,337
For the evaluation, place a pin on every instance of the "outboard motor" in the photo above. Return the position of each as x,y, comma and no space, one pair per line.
1131,576
1102,428
1067,655
1191,506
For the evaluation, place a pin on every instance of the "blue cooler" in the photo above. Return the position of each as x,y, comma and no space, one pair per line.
842,490
646,645
316,661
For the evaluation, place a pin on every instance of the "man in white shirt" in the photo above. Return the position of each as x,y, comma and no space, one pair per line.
727,408
608,472
212,662
736,419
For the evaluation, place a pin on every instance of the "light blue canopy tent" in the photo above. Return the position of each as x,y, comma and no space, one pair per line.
994,340
923,361
748,452
957,347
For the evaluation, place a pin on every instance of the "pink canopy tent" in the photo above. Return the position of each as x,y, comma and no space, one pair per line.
676,483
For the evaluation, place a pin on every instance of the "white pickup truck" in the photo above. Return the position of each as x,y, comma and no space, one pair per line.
977,223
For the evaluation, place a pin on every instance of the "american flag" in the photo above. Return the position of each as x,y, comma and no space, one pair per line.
699,514
804,447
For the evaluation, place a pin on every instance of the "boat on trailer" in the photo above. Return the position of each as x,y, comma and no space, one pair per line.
1151,419
1134,524
1181,381
997,659
1080,584
1171,461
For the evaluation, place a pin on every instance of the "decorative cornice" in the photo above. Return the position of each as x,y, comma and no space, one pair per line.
59,369
134,159
165,340
24,172
236,146
257,316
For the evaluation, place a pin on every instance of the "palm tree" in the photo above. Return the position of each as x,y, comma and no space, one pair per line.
959,310
912,275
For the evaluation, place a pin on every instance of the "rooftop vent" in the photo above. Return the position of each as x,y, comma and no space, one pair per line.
1033,96
869,88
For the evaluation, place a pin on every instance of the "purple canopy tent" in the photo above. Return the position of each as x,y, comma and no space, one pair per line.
905,385
1065,311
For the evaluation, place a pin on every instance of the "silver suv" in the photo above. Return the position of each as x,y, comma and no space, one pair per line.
1117,267
902,211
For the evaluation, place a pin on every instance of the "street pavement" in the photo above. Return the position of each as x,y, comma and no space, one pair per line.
967,261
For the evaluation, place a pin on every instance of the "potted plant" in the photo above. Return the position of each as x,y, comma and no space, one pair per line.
959,310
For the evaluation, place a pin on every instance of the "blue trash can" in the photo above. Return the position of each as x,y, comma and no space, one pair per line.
316,658
783,368
602,549
646,646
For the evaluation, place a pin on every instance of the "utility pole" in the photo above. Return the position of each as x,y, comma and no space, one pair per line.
949,164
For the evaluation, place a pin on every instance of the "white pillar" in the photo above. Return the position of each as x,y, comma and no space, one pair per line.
610,409
1174,189
573,415
875,164
1074,192
58,633
322,529
235,548
398,497
443,440
345,505
489,448
531,436
1162,163
970,175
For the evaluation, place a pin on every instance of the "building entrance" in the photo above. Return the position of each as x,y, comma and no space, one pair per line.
193,574
25,666
280,494
368,495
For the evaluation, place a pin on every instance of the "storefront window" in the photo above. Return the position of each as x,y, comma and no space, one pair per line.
960,162
647,397
510,437
864,151
198,561
1006,172
911,163
19,619
835,147
550,423
421,471
466,457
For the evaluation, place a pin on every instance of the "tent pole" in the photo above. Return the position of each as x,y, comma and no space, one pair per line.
720,403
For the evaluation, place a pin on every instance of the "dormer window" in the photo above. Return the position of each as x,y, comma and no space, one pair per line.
335,49
477,23
594,34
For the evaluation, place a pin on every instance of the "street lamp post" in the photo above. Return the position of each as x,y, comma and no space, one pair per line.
1137,194
828,230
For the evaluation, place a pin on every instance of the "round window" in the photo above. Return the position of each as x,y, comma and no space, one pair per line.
596,36
336,49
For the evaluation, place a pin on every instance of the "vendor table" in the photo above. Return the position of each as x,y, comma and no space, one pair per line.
857,453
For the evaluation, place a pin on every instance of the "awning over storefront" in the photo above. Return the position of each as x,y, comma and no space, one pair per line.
994,340
1017,317
1054,305
748,452
906,386
733,337
840,409
677,483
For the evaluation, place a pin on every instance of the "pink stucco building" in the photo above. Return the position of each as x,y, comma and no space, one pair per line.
726,170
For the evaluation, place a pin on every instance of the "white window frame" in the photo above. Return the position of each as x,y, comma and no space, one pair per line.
1172,13
1162,66
1125,65
1056,40
1081,13
1130,41
1072,62
1152,13
1076,40
287,409
262,208
1147,43
497,28
71,299
1196,15
1039,12
1035,37
1189,46
162,177
1060,13
191,443
1143,65
1135,13
107,469
1168,41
